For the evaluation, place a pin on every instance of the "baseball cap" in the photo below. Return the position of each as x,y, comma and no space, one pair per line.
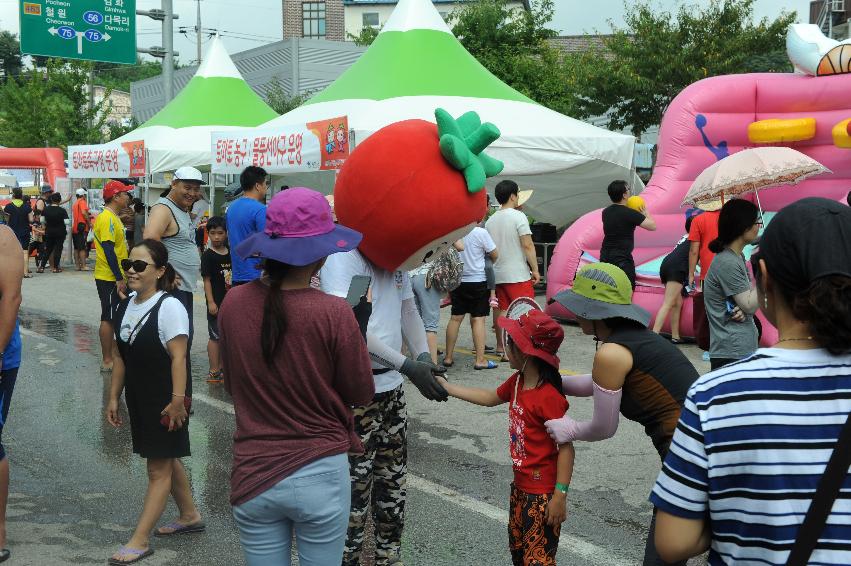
188,174
46,188
80,192
299,230
805,241
114,187
601,291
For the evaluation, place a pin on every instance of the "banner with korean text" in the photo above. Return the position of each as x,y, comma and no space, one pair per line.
315,146
109,160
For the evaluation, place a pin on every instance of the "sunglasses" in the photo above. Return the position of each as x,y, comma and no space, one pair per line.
138,265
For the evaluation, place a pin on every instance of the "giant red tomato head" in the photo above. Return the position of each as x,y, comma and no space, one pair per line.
413,188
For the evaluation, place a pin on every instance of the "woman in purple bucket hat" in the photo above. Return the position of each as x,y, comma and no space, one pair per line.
295,360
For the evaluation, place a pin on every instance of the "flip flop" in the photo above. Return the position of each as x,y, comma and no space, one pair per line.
446,364
135,552
490,365
215,377
181,529
502,356
5,555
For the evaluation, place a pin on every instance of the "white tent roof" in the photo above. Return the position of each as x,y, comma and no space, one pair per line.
416,65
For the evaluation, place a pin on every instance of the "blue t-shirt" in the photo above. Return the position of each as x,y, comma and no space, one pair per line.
245,217
12,353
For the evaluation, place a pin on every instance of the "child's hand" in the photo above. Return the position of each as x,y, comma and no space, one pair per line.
557,509
213,309
441,380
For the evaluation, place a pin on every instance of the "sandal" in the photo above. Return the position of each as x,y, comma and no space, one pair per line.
446,364
489,365
502,356
5,555
40,270
136,553
180,529
215,377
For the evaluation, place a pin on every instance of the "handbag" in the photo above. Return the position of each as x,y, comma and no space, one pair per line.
826,493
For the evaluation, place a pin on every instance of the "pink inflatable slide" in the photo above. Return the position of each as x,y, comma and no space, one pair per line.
705,122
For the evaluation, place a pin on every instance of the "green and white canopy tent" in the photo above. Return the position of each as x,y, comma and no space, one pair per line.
217,99
416,65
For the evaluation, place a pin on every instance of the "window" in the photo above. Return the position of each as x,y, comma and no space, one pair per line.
370,19
313,19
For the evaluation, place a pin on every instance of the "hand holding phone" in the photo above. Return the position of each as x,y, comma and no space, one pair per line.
358,289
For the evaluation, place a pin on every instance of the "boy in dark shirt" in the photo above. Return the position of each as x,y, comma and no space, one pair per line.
216,271
619,223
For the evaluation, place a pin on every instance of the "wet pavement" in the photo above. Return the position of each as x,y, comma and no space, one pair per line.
76,488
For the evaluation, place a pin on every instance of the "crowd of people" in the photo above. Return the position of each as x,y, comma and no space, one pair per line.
316,374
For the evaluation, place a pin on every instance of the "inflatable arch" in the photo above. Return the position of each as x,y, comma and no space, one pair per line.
51,159
706,122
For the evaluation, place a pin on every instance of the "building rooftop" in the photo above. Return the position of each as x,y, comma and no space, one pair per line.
394,2
579,43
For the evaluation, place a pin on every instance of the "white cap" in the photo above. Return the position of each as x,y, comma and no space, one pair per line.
81,192
188,174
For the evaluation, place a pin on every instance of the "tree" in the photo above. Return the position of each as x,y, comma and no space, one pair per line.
10,55
366,36
50,107
119,77
646,64
280,100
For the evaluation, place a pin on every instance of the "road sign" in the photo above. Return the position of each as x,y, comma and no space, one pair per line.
92,30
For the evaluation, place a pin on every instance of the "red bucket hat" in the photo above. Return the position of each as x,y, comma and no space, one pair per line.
536,334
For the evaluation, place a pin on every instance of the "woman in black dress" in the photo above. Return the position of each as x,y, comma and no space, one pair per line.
674,275
152,330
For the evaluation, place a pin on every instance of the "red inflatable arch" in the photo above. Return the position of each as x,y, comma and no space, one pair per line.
51,159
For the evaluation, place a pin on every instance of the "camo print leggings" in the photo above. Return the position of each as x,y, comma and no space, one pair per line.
379,471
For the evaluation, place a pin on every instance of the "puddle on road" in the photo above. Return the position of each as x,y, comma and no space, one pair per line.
82,337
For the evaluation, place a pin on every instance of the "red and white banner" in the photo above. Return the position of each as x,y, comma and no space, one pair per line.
316,146
122,160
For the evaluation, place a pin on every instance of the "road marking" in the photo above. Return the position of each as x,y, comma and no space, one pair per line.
568,543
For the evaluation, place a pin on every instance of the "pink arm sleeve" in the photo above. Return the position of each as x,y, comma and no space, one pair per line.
577,385
603,424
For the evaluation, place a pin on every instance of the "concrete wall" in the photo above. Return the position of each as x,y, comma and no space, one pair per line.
301,65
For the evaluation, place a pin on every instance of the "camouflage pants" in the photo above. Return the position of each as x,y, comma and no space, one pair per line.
380,472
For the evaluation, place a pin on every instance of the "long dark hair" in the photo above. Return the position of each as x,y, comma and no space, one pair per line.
548,373
736,218
274,316
159,254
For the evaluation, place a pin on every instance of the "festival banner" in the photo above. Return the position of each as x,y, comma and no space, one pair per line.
108,160
316,146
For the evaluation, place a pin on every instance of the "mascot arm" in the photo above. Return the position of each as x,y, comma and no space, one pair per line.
413,329
383,354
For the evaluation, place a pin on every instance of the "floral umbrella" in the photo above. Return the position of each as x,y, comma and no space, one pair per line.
752,170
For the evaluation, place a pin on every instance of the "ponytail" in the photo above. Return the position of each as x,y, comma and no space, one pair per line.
168,282
717,246
274,316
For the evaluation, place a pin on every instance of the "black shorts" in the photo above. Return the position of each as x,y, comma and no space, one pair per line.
213,327
108,295
472,299
80,241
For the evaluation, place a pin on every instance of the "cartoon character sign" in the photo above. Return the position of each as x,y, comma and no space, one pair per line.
413,187
341,138
329,147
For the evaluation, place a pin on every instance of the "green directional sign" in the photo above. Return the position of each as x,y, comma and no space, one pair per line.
92,30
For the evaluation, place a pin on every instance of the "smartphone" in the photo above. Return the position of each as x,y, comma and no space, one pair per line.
730,303
187,403
358,289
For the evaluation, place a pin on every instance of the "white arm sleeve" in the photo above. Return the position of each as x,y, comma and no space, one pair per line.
413,329
383,354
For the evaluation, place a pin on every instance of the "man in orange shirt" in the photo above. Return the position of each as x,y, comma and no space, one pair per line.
80,224
704,229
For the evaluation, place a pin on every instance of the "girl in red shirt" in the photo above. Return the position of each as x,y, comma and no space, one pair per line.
542,469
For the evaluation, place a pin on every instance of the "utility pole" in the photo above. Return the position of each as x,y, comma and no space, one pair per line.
166,52
198,30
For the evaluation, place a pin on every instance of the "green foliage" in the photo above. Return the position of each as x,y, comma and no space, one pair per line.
116,130
366,36
10,55
49,107
647,63
282,101
512,44
119,77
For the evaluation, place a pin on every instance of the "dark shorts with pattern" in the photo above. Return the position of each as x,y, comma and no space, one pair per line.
380,471
108,295
531,541
7,386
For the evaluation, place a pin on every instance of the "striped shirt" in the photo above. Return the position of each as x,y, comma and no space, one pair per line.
752,443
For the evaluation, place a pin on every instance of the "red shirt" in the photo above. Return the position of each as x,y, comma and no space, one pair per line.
79,214
534,454
298,410
704,229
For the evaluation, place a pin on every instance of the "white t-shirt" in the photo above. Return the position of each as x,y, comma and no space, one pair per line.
477,244
173,318
505,227
389,289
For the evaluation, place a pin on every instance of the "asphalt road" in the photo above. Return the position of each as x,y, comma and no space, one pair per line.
76,487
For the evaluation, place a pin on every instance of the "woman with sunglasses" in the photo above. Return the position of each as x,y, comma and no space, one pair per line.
728,294
152,332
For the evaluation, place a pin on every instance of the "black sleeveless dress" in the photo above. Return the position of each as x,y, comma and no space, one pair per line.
148,387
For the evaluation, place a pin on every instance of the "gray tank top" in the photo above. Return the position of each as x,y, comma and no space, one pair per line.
182,251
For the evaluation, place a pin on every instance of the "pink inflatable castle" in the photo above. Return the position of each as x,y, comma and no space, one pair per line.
706,122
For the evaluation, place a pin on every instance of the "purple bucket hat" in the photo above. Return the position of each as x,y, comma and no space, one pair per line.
299,230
